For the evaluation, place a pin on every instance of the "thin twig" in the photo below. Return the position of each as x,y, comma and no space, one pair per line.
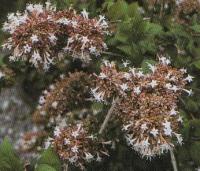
173,160
105,122
111,54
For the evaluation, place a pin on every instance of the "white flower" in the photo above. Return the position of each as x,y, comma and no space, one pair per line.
179,138
102,75
38,8
154,132
34,38
125,127
74,24
126,63
75,134
52,38
137,90
140,74
164,60
107,63
51,87
189,78
12,58
127,76
57,131
173,112
124,87
42,100
98,159
98,96
73,159
145,143
54,104
27,49
101,18
180,119
85,14
64,21
35,58
167,124
153,83
47,143
66,141
144,127
168,86
165,147
84,40
74,149
183,70
88,157
152,67
167,128
93,50
174,88
190,92
2,75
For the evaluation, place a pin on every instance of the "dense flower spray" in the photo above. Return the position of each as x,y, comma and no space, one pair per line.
67,92
86,36
186,8
77,146
42,35
148,103
33,35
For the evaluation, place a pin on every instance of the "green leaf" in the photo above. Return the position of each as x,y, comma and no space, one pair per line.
196,28
133,9
126,49
118,10
8,159
195,152
153,29
50,158
196,64
44,167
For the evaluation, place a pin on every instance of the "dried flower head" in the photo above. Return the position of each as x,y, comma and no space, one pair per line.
75,145
186,8
41,35
29,141
66,94
148,103
85,36
34,35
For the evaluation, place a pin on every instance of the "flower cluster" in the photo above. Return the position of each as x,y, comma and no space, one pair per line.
67,93
186,8
30,141
147,105
42,36
33,35
86,36
74,144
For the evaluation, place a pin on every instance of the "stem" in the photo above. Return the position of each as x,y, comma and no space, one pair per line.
105,122
173,160
111,54
65,167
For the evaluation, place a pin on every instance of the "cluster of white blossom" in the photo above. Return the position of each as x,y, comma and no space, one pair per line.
35,34
148,103
75,145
